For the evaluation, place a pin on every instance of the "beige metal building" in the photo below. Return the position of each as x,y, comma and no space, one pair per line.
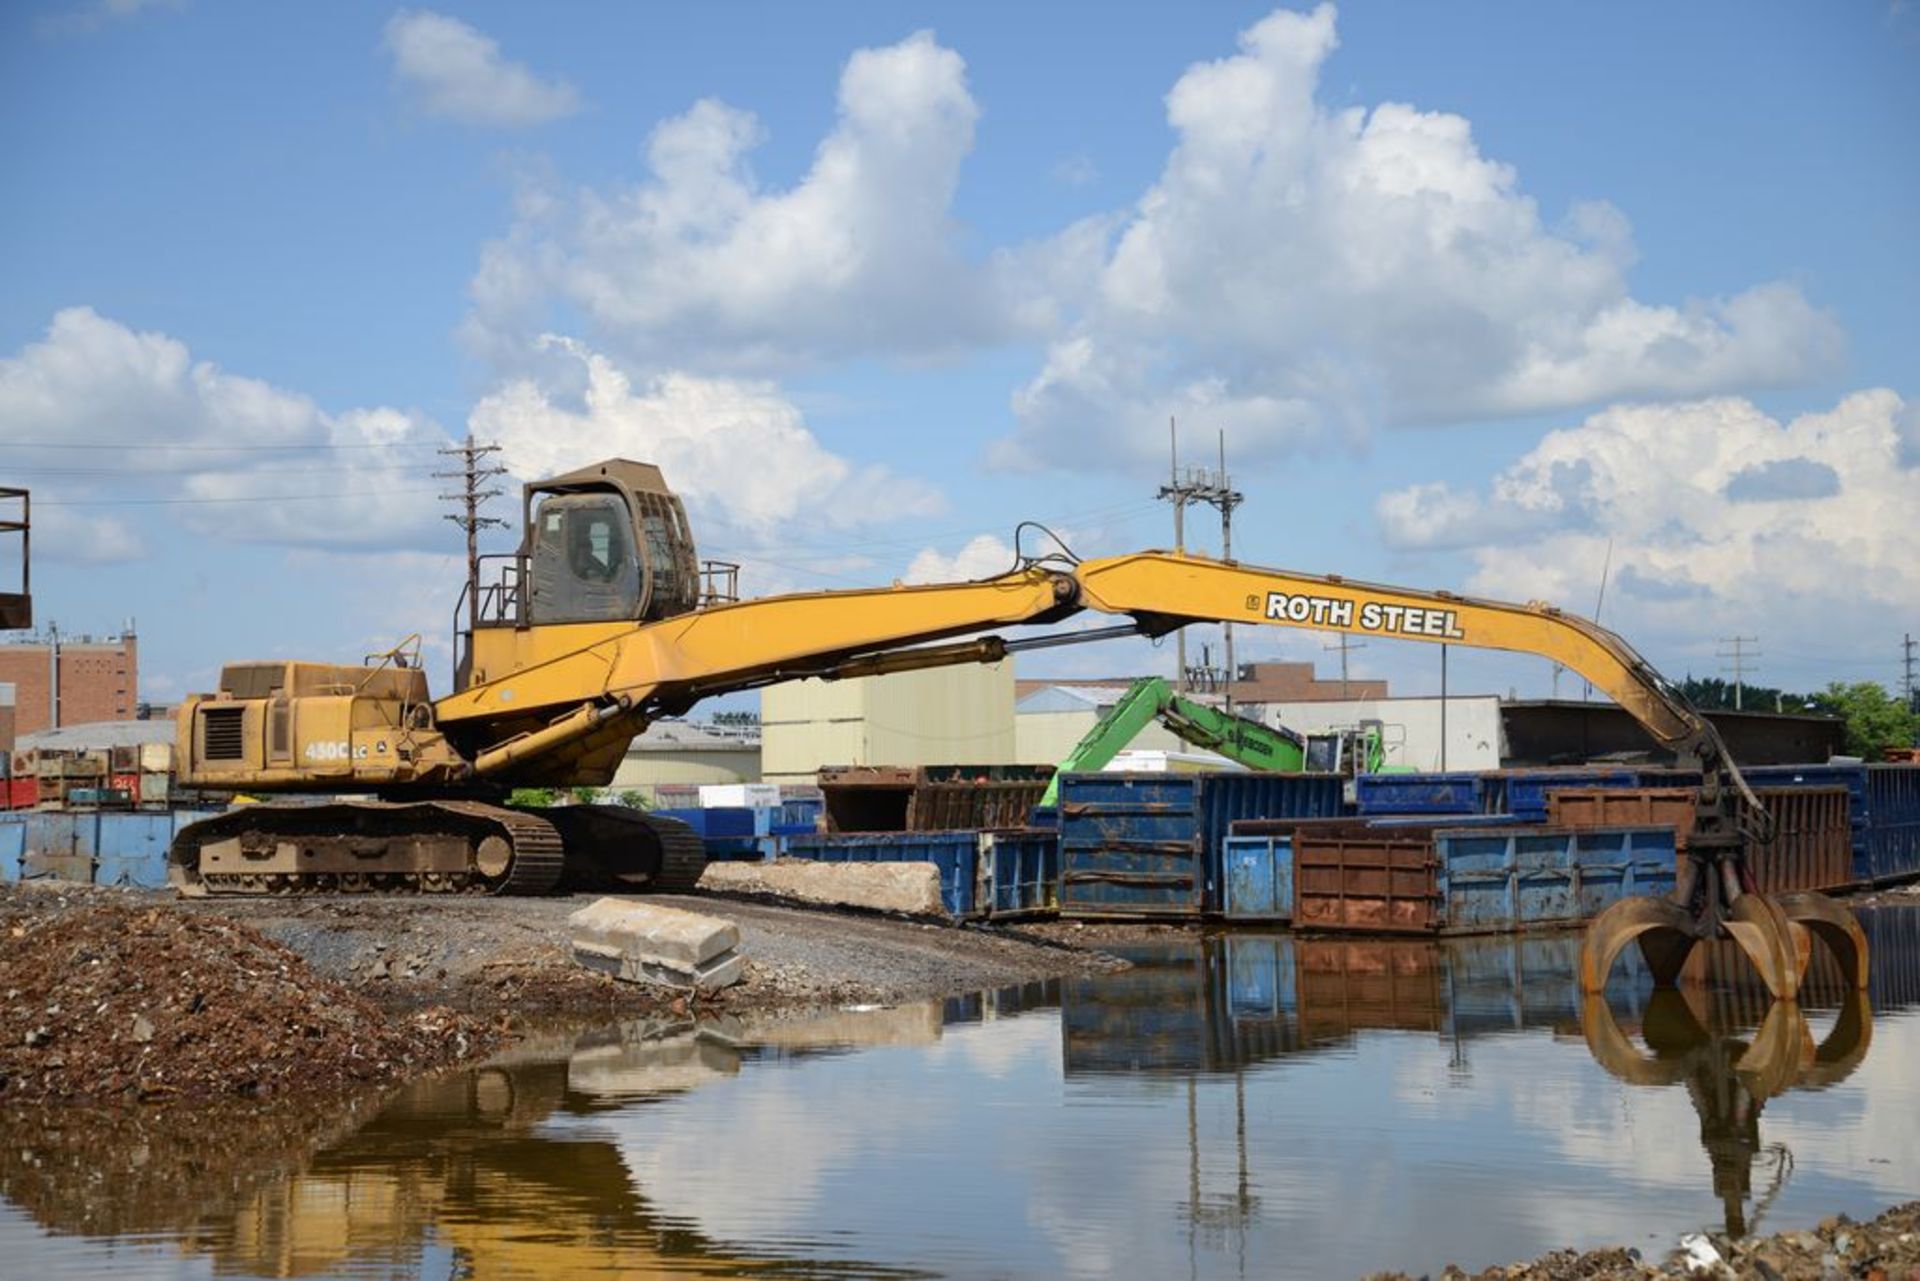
942,716
684,754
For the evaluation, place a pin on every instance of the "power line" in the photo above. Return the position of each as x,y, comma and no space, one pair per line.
140,472
1737,659
246,498
122,446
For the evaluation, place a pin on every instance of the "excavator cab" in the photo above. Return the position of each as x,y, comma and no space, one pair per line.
607,543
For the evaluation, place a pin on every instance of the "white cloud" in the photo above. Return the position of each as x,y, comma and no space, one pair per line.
1908,423
1075,171
698,264
983,556
233,457
1299,273
737,451
459,74
62,534
83,19
1815,555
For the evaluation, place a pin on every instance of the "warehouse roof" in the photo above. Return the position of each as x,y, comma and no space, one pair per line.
99,734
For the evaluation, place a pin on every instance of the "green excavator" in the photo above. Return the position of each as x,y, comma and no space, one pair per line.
1211,729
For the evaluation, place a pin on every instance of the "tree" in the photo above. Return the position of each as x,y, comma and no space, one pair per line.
633,798
1711,694
1876,720
531,797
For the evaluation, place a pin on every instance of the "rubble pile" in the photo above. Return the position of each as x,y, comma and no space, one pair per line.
1885,1249
151,1003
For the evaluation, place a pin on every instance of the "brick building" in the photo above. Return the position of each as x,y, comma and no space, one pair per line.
99,680
1297,683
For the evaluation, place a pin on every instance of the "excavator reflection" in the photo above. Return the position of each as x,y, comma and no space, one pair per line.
1730,1076
481,1166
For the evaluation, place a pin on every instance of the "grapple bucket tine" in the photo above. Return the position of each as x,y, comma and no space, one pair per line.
1846,1045
1615,1051
1664,928
1780,1052
1760,928
1822,918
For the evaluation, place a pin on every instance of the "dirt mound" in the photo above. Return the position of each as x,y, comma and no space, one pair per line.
108,1002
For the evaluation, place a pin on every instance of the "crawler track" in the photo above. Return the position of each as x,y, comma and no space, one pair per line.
423,847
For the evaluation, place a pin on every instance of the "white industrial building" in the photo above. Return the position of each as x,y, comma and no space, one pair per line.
681,755
1424,734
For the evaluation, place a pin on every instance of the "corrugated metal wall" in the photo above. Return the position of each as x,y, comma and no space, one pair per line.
944,716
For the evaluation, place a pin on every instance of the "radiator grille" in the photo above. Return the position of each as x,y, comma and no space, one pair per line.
220,729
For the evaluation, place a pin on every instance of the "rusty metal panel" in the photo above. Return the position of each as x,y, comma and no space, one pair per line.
1364,884
867,798
930,798
1851,775
1812,847
1673,807
1347,986
949,806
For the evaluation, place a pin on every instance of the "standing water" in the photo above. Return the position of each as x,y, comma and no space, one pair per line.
1239,1105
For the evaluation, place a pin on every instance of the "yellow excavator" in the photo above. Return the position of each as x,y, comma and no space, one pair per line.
605,619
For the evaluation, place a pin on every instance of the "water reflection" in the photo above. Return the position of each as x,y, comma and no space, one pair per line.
463,1170
1243,1104
1729,1075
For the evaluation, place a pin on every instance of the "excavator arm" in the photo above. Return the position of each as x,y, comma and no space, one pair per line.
614,683
595,698
1151,698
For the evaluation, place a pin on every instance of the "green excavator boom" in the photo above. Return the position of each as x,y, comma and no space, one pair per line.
1152,698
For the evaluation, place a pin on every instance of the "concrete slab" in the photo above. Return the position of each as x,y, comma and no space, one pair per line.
909,888
642,943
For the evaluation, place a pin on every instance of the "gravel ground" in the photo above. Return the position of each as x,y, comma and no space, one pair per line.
507,958
1886,1249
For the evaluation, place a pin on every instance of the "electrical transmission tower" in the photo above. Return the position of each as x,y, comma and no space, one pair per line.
1214,489
1739,661
472,475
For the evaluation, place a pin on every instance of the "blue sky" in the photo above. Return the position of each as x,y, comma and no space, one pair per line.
1477,293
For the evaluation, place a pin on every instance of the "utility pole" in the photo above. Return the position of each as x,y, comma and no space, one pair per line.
1343,643
1198,485
1738,661
1909,692
472,476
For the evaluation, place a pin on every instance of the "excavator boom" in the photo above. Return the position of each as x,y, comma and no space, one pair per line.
1151,698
